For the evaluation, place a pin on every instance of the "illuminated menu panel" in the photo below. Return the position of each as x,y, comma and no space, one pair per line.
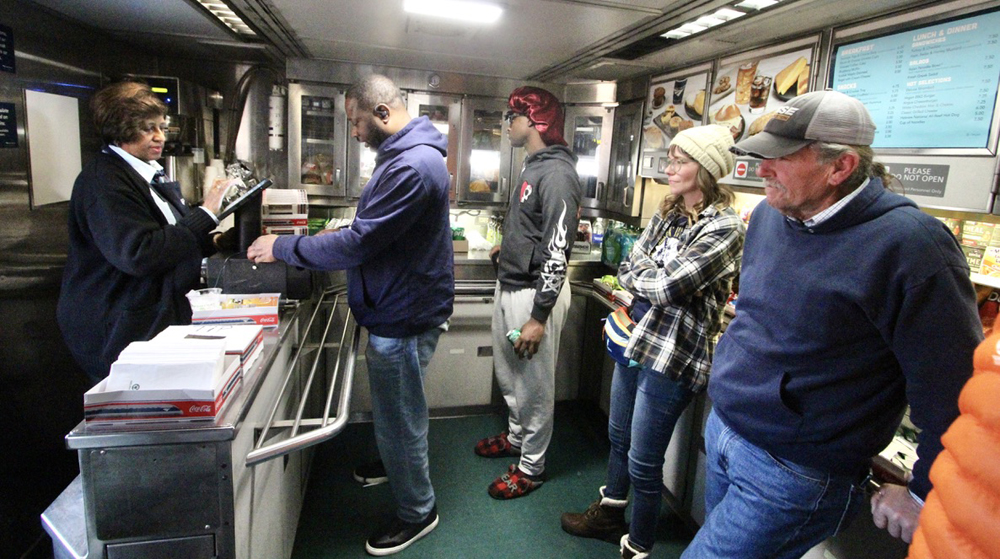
929,87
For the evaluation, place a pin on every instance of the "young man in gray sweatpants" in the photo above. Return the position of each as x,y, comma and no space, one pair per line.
532,294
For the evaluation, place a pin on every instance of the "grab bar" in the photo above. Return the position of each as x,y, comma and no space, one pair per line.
325,428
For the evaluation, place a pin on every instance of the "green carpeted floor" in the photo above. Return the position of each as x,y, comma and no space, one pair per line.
339,514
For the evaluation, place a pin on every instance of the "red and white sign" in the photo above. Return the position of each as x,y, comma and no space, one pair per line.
741,170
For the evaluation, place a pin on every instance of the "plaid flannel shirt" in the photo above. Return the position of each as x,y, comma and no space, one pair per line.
688,291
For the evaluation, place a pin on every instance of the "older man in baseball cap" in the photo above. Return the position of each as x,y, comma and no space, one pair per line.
853,304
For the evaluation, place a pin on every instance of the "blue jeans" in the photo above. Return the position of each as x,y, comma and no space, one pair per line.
396,371
645,406
760,506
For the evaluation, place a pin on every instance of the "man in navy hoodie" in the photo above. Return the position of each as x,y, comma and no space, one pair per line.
400,287
853,303
532,293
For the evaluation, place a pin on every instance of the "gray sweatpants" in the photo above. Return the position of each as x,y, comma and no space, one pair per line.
528,385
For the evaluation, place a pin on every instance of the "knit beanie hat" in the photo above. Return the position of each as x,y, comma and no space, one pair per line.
541,108
708,145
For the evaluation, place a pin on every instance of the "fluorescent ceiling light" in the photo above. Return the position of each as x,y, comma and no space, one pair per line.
478,12
756,4
728,14
675,34
709,21
228,17
706,21
693,28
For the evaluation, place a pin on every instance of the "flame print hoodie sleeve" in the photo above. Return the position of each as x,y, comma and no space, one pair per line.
541,226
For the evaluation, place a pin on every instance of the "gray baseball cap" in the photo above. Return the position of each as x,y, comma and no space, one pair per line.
824,116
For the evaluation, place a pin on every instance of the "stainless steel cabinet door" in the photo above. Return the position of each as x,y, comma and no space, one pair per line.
485,167
317,132
445,113
588,132
624,157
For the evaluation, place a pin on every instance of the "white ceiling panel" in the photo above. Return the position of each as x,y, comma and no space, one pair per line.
161,17
530,35
547,40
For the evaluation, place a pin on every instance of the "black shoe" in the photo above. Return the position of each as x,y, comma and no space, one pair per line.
398,535
372,473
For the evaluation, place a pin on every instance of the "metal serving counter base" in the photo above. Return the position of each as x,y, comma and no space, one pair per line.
215,490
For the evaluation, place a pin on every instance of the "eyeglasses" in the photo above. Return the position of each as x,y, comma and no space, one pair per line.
511,115
677,163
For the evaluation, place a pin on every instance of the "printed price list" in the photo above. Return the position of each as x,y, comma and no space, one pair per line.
932,87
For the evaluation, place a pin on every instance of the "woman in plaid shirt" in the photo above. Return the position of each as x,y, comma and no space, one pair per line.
681,272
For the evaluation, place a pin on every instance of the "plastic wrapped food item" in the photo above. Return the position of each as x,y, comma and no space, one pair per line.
317,169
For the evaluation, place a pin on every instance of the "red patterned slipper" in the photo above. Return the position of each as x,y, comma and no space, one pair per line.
496,446
514,484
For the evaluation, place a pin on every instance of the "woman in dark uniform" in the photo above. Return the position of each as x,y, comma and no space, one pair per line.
135,248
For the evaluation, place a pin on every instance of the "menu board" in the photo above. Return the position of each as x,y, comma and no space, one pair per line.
746,94
672,106
928,87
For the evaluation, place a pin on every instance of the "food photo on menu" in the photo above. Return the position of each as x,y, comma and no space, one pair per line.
745,95
674,106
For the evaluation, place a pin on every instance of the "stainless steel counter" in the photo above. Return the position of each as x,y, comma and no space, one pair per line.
191,491
222,429
476,265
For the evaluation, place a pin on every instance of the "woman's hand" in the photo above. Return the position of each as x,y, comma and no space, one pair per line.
215,194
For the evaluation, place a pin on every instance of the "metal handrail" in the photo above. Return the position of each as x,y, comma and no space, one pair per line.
326,427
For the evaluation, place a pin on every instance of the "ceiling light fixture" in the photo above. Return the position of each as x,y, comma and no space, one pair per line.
477,12
228,17
720,16
757,4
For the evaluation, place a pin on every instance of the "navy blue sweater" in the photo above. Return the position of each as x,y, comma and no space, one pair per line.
127,271
839,326
398,251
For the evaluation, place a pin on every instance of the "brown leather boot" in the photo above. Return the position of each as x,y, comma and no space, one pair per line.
603,520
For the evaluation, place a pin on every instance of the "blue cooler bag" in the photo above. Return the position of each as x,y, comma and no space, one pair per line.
617,330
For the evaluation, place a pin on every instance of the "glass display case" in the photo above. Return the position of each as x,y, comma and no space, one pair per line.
317,131
588,133
486,167
624,157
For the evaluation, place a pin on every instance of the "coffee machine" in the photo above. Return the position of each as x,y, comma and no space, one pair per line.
184,150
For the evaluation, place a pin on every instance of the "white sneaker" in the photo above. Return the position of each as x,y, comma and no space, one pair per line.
630,552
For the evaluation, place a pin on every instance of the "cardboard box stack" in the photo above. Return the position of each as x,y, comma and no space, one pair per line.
285,212
259,308
244,342
164,382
